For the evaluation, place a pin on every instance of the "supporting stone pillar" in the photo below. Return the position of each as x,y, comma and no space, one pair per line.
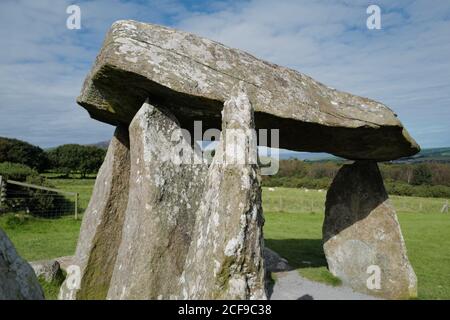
362,239
166,185
225,259
101,229
162,225
17,278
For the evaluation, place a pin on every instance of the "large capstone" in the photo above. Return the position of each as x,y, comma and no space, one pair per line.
101,229
17,278
166,184
193,77
225,260
363,242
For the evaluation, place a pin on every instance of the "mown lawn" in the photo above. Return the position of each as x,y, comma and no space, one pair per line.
294,232
39,238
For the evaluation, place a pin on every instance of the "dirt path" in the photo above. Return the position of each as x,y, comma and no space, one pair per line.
291,286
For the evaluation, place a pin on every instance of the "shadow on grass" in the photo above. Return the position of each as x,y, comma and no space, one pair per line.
63,176
300,253
306,256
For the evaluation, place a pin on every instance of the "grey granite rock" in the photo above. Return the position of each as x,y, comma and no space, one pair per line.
164,196
225,259
101,229
17,278
362,236
49,270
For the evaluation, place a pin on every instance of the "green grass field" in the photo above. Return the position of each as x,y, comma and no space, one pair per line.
295,232
82,186
293,229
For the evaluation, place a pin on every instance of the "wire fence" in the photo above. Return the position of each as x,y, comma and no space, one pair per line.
39,201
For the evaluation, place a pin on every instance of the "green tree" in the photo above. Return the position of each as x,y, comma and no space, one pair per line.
70,158
422,175
16,171
16,151
91,159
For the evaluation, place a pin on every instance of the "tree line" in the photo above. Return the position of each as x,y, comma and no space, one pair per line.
66,159
427,179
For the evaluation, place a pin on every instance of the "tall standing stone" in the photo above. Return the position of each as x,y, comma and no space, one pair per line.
225,260
362,236
166,184
101,229
17,278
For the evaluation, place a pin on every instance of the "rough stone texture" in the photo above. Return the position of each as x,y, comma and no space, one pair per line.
361,229
65,262
193,76
160,216
49,270
274,262
101,228
225,260
17,278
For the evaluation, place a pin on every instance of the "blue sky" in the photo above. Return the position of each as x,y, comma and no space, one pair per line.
404,65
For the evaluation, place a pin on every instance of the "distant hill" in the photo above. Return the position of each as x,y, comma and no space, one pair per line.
306,156
430,154
101,144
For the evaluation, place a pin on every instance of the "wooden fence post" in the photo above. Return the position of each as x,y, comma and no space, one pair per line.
76,206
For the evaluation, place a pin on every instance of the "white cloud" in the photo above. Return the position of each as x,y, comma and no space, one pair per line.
43,65
405,65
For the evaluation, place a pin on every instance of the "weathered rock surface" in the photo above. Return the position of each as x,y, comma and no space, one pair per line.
225,260
49,270
65,262
101,228
17,278
193,76
274,262
361,230
164,195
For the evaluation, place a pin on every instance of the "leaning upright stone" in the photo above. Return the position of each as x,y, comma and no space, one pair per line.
225,260
17,279
363,242
166,184
101,229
